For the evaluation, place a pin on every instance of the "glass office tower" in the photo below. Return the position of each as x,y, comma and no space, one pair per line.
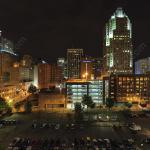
118,51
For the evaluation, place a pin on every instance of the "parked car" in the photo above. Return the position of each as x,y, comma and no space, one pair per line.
146,140
135,127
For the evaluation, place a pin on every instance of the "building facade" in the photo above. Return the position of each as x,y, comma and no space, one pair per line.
61,65
43,75
73,63
51,101
142,66
7,58
14,92
23,70
49,75
118,51
76,89
86,69
97,67
129,88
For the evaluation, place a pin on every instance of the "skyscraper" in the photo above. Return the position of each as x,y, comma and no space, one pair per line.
86,69
49,75
43,75
142,66
26,68
97,67
73,62
7,58
118,52
61,65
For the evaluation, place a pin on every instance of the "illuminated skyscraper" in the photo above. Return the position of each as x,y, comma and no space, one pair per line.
73,62
7,58
118,52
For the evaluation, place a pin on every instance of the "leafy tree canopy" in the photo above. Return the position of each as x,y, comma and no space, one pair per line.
3,104
32,89
87,100
109,102
28,107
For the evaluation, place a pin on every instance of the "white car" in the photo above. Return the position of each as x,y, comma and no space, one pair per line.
1,125
135,127
57,126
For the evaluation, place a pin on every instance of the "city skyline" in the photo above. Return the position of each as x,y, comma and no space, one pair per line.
50,28
74,74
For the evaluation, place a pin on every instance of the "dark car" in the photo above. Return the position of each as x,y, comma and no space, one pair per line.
146,140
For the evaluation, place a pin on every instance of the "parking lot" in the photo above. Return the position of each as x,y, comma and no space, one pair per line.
37,126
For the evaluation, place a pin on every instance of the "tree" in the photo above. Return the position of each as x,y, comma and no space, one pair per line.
28,106
78,112
17,106
3,104
87,100
109,103
143,104
78,108
129,105
1,147
32,89
4,107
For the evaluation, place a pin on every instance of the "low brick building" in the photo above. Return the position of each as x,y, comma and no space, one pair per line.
51,101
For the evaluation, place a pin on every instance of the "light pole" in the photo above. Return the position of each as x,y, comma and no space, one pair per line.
86,73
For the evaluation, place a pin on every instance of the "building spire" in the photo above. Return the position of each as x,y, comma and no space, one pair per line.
120,13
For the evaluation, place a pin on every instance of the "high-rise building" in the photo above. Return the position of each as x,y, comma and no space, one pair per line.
73,62
86,69
35,79
61,62
128,88
43,75
77,88
15,74
26,74
142,66
7,46
26,68
118,51
26,61
7,58
55,74
22,72
97,67
49,75
61,66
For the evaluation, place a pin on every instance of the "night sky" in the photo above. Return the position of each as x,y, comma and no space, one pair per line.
46,28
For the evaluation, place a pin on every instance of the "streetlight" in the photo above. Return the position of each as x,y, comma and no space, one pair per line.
86,74
59,86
